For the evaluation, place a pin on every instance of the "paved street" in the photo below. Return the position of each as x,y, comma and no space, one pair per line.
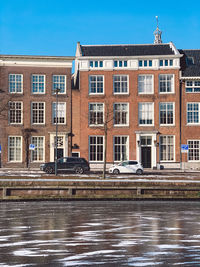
149,175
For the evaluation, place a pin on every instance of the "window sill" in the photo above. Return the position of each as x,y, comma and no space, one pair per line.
167,125
193,124
121,125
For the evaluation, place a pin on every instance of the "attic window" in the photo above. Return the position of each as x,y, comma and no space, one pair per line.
120,63
189,61
145,63
96,64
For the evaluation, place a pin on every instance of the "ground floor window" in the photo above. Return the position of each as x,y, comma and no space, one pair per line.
96,144
120,148
167,148
38,153
15,148
194,150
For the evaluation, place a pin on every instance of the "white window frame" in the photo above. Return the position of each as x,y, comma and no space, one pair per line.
15,82
44,115
120,147
95,111
95,64
198,149
167,146
54,110
96,145
172,83
166,63
37,148
38,83
193,86
145,84
198,112
15,102
147,112
166,110
120,62
121,111
120,83
143,63
58,83
15,149
96,82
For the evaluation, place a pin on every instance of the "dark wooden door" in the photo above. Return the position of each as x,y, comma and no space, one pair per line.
146,156
59,153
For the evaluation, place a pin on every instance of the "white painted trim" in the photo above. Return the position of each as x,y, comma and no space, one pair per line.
91,161
15,161
190,78
143,93
65,144
128,115
96,84
127,146
167,125
65,119
22,113
191,123
188,150
65,84
153,147
174,143
38,93
32,112
173,84
22,83
145,125
95,125
120,75
43,149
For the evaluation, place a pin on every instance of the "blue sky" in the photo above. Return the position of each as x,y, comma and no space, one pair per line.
48,27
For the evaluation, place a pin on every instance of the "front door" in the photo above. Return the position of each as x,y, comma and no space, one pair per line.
59,153
146,156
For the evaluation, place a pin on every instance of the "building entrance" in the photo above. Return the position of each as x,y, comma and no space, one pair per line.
146,156
59,152
146,142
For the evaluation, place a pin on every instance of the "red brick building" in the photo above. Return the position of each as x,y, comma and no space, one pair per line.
190,108
28,83
136,89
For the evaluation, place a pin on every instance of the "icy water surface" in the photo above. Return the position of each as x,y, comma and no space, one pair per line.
119,233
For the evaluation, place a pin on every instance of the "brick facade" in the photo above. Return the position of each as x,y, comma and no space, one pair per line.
27,97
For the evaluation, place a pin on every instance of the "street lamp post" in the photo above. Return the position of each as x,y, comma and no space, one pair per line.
57,90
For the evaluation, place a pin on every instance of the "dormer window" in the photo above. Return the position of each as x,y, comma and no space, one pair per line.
189,61
96,64
166,62
120,63
145,63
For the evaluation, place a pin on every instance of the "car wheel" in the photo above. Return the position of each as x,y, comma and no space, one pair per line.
139,171
116,171
79,170
49,170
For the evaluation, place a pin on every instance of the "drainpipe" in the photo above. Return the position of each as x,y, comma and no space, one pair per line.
180,113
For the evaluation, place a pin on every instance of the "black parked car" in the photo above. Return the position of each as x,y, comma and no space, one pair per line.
77,165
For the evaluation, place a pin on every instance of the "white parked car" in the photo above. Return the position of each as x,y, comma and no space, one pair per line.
128,166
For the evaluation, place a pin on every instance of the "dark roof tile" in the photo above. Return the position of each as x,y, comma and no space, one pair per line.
126,50
190,70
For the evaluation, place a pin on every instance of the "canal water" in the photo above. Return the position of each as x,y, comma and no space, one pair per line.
99,233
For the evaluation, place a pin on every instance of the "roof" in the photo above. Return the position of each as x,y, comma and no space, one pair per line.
190,63
126,50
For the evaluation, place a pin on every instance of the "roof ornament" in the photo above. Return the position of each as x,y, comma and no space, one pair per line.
157,33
